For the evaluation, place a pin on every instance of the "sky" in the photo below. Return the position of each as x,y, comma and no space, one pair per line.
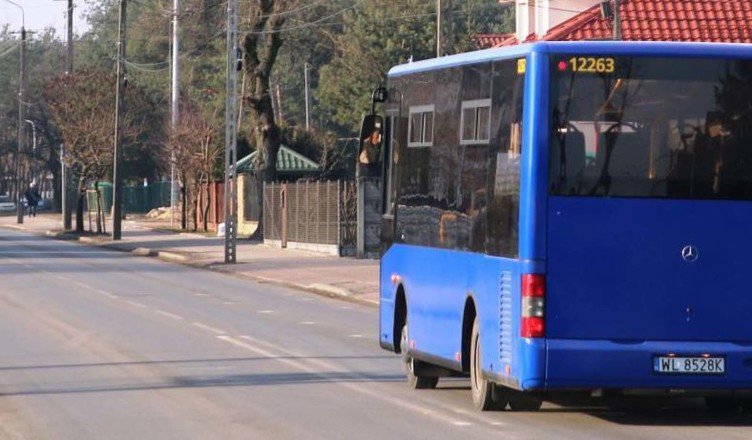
41,14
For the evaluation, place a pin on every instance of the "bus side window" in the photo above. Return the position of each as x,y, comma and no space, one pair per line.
503,190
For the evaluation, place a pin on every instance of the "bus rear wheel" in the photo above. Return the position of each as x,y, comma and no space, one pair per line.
414,381
486,395
520,401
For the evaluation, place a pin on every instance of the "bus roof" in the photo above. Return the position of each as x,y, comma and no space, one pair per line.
616,48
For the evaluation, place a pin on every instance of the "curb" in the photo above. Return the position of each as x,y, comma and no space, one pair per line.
172,257
144,252
14,227
60,235
320,289
329,289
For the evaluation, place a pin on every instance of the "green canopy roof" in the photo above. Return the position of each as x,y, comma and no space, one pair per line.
288,161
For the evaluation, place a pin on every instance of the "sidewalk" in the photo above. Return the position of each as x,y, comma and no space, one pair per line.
333,276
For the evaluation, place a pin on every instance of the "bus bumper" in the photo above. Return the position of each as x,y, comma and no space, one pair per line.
588,365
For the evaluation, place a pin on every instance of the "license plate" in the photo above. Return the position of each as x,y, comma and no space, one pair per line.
689,365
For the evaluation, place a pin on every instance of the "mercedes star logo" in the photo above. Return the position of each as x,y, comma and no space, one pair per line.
690,254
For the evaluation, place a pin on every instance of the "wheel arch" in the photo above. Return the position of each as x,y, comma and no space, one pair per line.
469,314
400,317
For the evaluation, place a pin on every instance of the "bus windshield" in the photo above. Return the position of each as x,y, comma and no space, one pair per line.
651,127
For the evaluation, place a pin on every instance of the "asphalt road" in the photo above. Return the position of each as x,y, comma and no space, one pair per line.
99,345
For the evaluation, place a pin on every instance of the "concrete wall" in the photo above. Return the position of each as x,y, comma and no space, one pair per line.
539,16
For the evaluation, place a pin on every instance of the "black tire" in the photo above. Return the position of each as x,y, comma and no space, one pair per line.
722,404
520,401
413,380
486,395
747,405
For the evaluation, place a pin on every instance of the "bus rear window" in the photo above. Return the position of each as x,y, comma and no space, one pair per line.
651,127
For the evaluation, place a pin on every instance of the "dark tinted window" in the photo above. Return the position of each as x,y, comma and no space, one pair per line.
506,150
651,127
461,193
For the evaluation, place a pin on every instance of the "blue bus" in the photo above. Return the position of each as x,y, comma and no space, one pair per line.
571,216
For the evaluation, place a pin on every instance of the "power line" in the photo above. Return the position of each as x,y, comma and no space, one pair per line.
309,24
10,50
145,69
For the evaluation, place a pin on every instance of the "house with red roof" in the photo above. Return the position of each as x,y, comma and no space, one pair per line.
728,21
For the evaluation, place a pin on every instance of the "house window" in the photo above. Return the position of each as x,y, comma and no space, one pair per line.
476,122
421,126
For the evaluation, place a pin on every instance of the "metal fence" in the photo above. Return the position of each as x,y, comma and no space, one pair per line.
250,207
317,213
136,199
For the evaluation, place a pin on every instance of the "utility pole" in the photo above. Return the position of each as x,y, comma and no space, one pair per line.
21,118
448,37
231,134
617,20
438,28
64,185
307,105
117,213
175,101
33,149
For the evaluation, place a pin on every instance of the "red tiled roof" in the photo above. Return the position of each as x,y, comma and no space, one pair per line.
495,40
717,21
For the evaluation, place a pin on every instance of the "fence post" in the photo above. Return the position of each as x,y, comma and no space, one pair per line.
283,214
339,215
328,212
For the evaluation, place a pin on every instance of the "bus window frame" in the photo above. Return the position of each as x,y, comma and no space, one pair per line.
422,110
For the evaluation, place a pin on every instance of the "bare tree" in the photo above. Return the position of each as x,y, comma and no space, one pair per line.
82,107
261,46
197,153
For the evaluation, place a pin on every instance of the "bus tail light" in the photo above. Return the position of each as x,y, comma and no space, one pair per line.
533,306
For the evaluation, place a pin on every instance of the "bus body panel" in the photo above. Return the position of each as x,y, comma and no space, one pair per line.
602,289
436,288
589,364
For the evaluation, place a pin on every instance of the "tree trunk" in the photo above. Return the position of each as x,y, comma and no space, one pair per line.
260,54
205,208
183,207
194,206
80,205
99,208
57,199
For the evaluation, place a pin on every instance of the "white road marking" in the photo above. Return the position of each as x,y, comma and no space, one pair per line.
354,336
169,315
200,294
84,285
307,323
328,367
106,293
266,312
135,304
459,423
209,328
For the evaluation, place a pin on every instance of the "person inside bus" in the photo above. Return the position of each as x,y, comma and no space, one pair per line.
368,159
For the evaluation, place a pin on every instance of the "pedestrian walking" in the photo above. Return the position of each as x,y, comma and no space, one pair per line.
32,199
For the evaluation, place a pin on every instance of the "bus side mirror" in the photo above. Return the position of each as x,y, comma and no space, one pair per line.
372,129
371,132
